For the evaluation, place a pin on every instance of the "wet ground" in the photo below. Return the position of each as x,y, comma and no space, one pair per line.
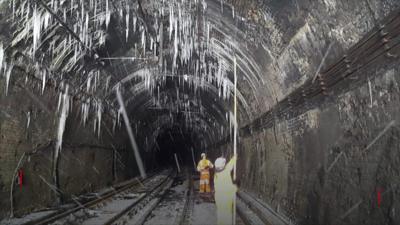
201,209
170,209
176,205
204,211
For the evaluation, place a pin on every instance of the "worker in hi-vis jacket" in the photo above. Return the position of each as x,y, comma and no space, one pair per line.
204,167
225,190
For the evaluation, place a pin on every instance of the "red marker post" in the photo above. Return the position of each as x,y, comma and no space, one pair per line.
20,177
379,196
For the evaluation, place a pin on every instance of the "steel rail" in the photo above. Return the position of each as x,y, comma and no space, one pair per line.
154,190
188,200
60,214
264,212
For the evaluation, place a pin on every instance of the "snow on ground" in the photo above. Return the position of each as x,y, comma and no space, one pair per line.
170,208
27,218
111,209
203,212
43,213
169,211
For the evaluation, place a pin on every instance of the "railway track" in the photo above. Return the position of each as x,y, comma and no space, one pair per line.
171,207
189,202
253,211
162,198
138,212
110,206
132,203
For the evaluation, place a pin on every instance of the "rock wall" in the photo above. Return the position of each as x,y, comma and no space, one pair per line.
87,162
327,165
288,39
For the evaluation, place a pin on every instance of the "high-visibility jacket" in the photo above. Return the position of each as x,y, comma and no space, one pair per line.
225,192
204,165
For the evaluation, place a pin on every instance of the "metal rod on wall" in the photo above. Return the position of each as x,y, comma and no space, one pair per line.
194,161
135,148
177,163
235,128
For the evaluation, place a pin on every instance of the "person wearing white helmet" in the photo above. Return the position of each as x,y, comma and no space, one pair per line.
225,190
204,167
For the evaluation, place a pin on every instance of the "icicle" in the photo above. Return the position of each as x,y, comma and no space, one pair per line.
208,33
370,93
171,20
114,124
108,82
95,82
175,46
127,23
119,115
99,111
89,82
219,76
8,75
63,119
85,111
71,104
28,117
144,43
47,18
13,9
86,30
43,81
36,28
158,95
108,15
59,102
94,125
134,24
1,56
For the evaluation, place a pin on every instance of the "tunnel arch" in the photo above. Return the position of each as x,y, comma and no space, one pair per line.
296,126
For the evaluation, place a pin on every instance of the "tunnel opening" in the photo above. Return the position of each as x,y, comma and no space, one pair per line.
175,141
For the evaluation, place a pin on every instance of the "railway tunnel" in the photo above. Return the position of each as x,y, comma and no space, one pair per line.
102,98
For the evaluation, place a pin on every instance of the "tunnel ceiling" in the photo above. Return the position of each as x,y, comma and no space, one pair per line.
174,61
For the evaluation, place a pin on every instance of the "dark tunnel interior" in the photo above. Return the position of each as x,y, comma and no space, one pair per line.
175,141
